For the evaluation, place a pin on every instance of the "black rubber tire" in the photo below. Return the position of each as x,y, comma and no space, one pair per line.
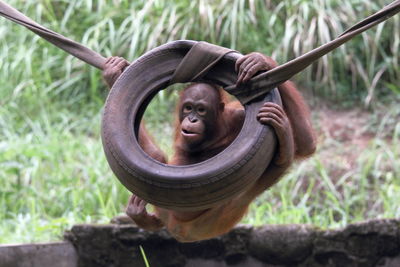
190,187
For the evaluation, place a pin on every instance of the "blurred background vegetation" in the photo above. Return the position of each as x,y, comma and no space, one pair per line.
53,172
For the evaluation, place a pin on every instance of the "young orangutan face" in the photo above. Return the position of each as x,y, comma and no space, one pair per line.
199,112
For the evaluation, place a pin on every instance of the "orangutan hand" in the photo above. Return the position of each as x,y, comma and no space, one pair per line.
136,209
250,64
113,68
272,114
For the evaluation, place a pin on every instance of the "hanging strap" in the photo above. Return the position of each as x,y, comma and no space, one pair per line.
266,81
71,47
198,61
256,87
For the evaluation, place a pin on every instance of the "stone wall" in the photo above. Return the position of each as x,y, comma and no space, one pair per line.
372,243
60,254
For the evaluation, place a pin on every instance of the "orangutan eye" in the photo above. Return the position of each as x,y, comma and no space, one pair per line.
187,108
201,110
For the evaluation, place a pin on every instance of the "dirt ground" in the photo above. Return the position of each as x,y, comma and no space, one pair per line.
342,136
345,126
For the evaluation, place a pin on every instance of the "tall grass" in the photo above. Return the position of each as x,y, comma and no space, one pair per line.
327,193
52,169
362,68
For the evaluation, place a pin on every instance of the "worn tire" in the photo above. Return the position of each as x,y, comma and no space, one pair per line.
190,187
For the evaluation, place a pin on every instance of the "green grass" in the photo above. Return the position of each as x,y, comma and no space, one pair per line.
146,262
53,173
326,192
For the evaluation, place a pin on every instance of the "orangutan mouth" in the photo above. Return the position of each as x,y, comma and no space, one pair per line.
188,133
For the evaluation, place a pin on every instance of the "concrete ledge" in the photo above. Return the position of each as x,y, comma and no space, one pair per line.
60,254
372,243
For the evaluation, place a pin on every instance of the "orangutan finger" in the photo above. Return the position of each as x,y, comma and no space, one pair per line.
269,115
246,62
239,62
108,60
251,71
272,109
122,64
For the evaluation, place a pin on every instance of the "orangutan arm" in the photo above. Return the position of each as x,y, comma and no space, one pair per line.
293,103
136,208
273,115
113,68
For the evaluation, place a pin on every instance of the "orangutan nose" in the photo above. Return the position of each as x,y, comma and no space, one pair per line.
193,118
